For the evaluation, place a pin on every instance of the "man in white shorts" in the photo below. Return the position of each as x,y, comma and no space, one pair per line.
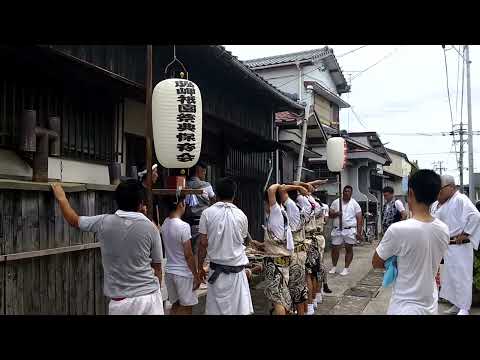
131,250
180,273
351,231
418,245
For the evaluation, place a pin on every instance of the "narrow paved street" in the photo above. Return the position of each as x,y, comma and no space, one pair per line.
359,293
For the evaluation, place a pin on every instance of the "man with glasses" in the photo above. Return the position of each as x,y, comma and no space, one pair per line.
463,220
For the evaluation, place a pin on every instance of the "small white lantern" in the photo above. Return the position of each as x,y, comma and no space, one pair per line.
177,123
336,154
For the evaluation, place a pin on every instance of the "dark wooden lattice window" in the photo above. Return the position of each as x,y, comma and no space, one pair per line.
91,123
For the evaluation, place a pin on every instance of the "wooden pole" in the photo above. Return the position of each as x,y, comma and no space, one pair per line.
148,129
340,200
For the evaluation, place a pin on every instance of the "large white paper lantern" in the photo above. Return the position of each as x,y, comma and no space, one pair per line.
336,154
177,123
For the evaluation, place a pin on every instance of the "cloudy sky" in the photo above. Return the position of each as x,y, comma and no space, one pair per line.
405,93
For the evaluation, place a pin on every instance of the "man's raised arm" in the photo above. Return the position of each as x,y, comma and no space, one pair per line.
68,213
317,182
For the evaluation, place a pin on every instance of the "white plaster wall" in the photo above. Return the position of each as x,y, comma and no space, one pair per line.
12,164
312,73
397,165
278,76
284,78
78,171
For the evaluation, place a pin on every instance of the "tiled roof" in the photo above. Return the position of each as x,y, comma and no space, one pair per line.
287,117
287,58
286,98
325,53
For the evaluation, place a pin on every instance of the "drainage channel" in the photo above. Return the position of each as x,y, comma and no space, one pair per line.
355,299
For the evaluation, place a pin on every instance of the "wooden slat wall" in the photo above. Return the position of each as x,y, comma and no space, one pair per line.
67,283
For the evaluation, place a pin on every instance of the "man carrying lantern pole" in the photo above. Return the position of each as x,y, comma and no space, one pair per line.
347,223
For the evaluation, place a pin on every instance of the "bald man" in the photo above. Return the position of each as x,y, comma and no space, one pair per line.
463,220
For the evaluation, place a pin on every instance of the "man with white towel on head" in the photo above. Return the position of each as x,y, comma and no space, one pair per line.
223,231
463,220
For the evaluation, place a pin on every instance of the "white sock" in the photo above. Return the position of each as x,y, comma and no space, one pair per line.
310,310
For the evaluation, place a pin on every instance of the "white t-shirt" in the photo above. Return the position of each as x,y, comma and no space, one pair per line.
175,233
325,210
208,191
399,206
281,230
306,207
316,205
226,227
293,213
419,248
349,213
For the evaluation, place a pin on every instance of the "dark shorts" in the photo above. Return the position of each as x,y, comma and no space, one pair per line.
195,238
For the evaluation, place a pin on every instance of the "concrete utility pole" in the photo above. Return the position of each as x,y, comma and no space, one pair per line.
304,132
461,156
471,184
438,166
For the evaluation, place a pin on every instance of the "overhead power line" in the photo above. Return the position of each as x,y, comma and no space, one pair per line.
449,100
358,118
378,62
316,68
449,133
351,51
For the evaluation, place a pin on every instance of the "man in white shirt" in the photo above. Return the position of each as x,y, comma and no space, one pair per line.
321,214
297,282
279,246
418,245
463,220
393,210
223,231
180,272
198,203
352,222
310,210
